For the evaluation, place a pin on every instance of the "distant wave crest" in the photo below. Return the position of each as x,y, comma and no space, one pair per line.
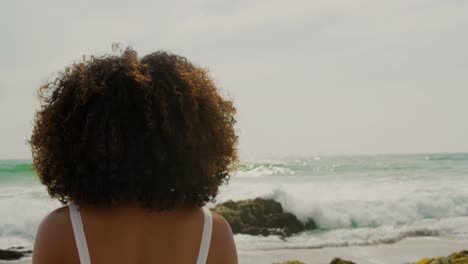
15,167
263,169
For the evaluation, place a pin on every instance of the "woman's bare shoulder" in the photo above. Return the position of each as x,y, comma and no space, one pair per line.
223,248
53,237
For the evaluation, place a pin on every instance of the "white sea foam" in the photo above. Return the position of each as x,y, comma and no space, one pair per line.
22,209
344,204
451,227
353,200
254,170
363,207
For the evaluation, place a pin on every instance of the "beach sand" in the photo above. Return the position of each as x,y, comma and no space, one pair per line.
27,261
406,251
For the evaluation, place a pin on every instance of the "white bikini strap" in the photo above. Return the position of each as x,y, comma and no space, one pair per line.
79,233
206,237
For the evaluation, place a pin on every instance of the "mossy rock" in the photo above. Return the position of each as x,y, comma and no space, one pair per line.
455,258
269,206
255,231
288,221
290,262
232,216
230,204
341,261
12,254
310,224
259,217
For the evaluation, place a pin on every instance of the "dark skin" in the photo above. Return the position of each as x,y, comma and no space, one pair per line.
130,234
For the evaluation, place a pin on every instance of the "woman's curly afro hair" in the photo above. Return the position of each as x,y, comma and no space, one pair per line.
118,130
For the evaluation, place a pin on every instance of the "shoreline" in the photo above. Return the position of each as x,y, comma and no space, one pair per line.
409,250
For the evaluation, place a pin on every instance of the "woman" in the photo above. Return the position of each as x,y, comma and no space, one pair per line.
134,148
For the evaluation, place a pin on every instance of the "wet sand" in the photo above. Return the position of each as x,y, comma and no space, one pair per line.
405,251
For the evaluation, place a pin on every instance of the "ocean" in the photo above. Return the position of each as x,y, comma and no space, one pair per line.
355,200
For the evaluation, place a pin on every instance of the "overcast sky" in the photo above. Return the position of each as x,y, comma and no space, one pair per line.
307,77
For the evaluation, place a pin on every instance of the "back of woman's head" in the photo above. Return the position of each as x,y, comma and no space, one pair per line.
118,129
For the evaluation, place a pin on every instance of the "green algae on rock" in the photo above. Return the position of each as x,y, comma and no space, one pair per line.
341,261
334,261
454,258
290,262
261,217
